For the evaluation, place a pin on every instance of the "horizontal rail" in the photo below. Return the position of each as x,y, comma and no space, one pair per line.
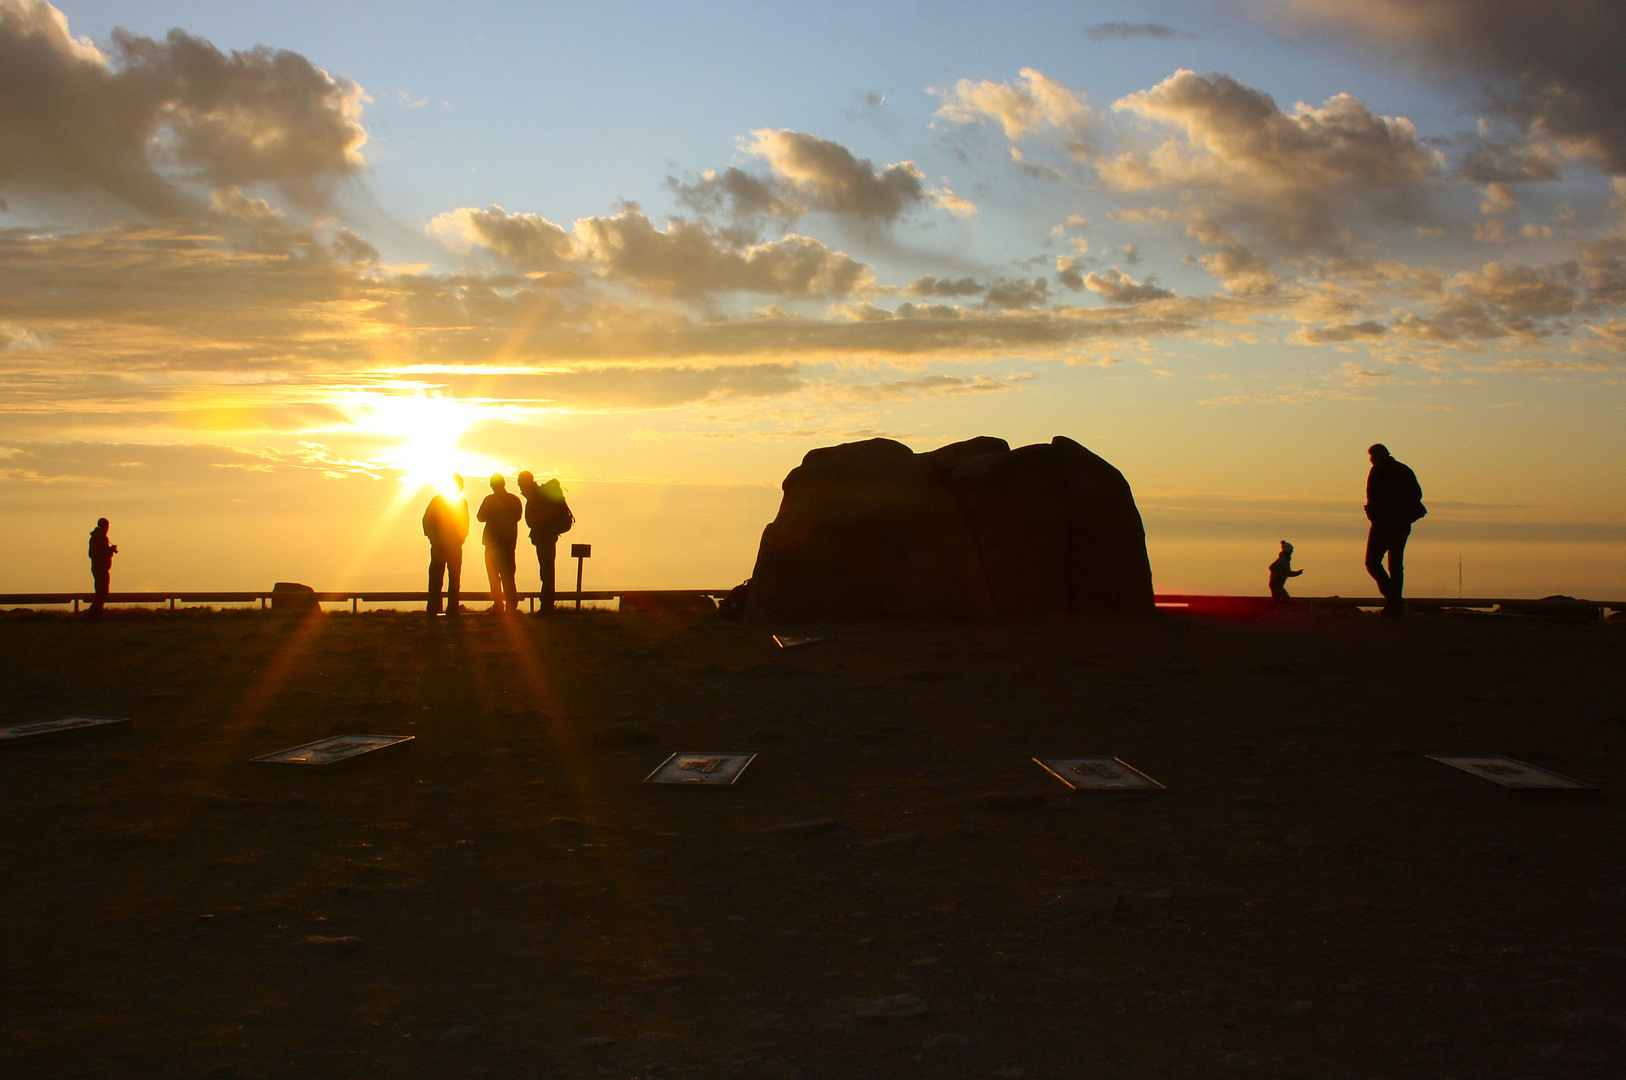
352,596
375,596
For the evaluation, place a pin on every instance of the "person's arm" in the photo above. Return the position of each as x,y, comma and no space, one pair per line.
481,514
1294,573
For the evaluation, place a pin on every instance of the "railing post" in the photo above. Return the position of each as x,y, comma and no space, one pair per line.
352,605
172,603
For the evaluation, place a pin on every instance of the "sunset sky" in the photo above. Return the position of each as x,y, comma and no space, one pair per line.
268,271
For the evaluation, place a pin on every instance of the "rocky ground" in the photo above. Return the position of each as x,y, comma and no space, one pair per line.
893,888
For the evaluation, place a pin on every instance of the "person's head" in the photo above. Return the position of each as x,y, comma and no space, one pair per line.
526,481
1287,549
102,523
497,482
457,478
1377,452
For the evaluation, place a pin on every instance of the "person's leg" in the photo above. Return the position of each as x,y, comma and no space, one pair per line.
1375,548
437,571
1397,561
102,576
1278,593
494,577
454,580
545,556
510,587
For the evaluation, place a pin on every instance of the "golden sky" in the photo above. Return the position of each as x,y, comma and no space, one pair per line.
265,277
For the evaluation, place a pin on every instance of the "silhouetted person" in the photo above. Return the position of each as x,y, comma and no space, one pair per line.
446,524
501,512
548,515
1280,571
101,565
1394,500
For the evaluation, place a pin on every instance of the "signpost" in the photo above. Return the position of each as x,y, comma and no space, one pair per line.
1079,773
580,552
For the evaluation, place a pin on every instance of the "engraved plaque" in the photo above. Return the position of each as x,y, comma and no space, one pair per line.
685,768
1513,774
338,748
66,725
1079,773
793,642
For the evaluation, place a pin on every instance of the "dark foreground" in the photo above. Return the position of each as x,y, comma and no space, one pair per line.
880,895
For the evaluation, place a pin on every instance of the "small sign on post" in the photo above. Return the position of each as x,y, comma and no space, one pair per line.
580,552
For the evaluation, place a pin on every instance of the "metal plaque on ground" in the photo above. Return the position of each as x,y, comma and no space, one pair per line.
1103,772
700,769
1513,774
792,642
66,725
339,747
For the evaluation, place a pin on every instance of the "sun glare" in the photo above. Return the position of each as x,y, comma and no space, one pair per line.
429,430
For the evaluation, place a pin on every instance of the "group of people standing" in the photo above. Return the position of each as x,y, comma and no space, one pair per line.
446,524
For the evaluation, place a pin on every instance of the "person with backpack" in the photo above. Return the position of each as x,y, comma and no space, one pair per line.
548,516
1394,500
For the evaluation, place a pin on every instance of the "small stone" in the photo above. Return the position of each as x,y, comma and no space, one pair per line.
325,948
459,1035
947,1042
895,1007
818,825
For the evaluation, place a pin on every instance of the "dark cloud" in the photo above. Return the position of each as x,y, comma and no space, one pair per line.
1559,64
154,120
1120,31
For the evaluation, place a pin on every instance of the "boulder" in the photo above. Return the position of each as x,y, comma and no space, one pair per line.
874,530
867,530
292,598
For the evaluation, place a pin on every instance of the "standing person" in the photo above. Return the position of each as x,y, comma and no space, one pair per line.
446,524
1394,500
501,512
1280,571
548,515
101,565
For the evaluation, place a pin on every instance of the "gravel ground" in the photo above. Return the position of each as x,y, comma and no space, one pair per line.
893,888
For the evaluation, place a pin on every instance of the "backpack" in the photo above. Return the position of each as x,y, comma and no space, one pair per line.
559,519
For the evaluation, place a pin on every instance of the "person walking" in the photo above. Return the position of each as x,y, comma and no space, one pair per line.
1394,500
548,515
446,524
501,512
101,565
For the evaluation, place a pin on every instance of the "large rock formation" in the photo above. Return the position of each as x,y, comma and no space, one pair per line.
874,530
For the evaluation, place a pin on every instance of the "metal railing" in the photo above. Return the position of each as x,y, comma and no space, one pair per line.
664,597
354,598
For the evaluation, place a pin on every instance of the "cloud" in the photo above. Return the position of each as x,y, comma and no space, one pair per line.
525,241
1118,287
687,260
1558,64
827,176
1290,173
1123,31
151,121
1031,105
930,285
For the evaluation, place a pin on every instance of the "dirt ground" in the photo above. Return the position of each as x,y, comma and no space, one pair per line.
892,889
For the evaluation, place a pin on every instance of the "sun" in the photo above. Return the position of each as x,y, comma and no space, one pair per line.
429,429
